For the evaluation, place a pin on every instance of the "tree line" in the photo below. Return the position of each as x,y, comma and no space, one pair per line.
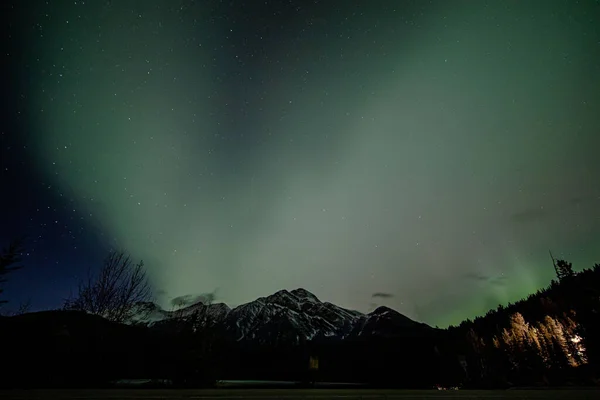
551,337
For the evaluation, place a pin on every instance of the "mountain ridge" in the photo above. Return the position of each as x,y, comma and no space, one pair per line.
285,316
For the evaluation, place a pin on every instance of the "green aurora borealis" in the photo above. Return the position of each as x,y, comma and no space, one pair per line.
431,151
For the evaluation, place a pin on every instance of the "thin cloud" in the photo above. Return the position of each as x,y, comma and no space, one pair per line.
499,280
189,299
185,300
476,277
382,295
534,214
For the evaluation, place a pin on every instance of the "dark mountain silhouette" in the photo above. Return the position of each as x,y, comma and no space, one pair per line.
295,316
550,338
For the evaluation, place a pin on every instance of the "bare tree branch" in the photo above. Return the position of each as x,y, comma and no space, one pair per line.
24,307
116,292
10,259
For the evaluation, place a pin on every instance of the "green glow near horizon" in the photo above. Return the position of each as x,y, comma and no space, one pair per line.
421,158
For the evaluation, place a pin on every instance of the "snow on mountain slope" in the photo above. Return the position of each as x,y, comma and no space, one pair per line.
304,315
288,316
212,312
151,314
384,321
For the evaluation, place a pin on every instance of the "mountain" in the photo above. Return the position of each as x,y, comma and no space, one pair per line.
298,315
285,316
385,322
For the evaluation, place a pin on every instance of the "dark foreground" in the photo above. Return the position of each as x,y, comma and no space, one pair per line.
296,394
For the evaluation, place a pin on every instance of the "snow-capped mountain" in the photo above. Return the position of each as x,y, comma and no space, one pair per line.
286,316
211,313
385,322
297,315
151,314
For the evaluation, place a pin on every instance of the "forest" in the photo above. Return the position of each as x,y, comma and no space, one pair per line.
550,338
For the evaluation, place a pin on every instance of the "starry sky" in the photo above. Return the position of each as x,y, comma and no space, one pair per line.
423,155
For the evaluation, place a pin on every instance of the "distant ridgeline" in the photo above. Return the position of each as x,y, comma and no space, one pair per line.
550,338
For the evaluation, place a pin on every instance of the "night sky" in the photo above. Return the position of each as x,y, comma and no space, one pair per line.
423,155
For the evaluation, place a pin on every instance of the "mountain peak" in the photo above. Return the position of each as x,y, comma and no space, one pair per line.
280,294
304,294
284,316
382,310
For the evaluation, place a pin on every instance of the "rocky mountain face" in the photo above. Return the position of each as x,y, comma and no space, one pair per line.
285,316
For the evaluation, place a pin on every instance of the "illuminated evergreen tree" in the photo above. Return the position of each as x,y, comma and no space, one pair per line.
563,356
